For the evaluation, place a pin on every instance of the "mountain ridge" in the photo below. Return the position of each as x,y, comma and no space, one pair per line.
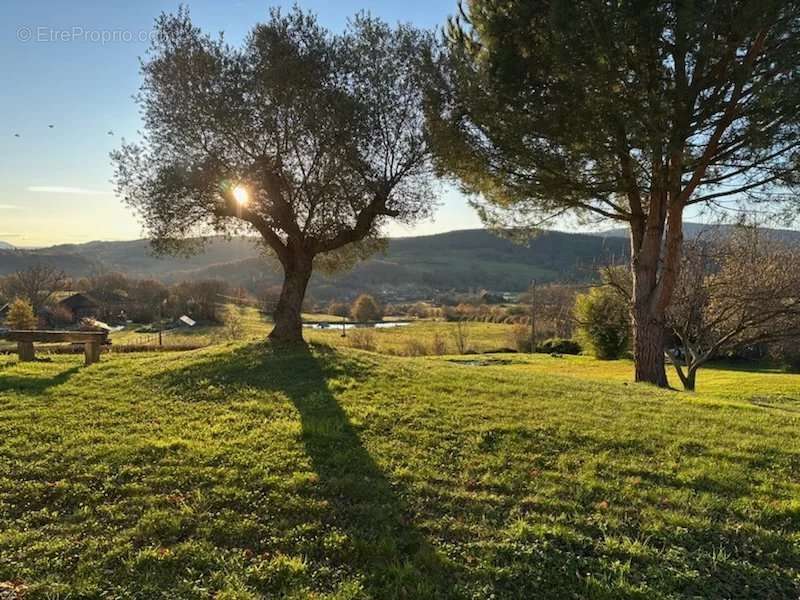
410,266
692,230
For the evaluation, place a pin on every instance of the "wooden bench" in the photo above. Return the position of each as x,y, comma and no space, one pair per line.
91,340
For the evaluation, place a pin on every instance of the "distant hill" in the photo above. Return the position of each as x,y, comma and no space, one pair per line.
137,259
692,230
6,246
15,260
411,267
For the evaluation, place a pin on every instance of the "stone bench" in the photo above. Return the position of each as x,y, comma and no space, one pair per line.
91,340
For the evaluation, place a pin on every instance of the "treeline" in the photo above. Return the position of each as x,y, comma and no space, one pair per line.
116,298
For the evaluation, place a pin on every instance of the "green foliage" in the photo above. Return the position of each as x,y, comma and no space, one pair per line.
366,309
559,346
20,315
339,309
310,139
606,87
792,362
603,322
236,472
621,111
520,337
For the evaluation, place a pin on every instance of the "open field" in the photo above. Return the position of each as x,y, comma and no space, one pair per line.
480,337
234,472
254,326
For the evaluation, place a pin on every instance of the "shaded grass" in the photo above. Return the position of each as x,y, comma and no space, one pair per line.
238,472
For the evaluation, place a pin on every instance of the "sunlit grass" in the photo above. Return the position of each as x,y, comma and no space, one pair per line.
232,472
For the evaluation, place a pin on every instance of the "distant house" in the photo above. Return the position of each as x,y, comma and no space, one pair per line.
80,306
187,321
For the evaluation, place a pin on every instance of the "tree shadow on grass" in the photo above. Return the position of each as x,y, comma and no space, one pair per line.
33,385
388,551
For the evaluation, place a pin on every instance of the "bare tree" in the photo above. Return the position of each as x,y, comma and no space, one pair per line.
733,292
309,139
553,305
36,285
461,336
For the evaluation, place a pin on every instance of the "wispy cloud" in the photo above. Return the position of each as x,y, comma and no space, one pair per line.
63,189
8,207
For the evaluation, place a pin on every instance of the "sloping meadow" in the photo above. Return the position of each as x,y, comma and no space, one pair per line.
244,471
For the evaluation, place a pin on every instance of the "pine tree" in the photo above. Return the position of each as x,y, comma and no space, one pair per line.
20,315
626,112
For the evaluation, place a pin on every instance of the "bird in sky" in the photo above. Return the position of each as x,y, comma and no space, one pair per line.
17,135
51,126
111,132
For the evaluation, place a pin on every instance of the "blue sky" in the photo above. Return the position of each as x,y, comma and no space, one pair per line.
58,70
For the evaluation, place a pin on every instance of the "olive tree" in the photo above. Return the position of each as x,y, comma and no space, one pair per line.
627,112
308,139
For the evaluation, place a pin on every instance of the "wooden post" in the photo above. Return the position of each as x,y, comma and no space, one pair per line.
25,351
91,352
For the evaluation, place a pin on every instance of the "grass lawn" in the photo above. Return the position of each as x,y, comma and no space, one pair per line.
238,472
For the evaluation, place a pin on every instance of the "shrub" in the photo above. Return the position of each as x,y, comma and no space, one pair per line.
787,353
340,309
521,338
603,322
461,337
414,347
363,339
20,315
559,346
792,363
366,308
419,311
439,344
233,322
448,313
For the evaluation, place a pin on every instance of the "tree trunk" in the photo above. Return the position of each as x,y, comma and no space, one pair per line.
288,320
655,265
648,347
647,323
647,320
689,377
